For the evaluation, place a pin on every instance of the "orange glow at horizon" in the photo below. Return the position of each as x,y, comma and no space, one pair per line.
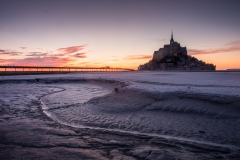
222,61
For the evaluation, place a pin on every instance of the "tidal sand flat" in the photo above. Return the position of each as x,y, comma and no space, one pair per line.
123,115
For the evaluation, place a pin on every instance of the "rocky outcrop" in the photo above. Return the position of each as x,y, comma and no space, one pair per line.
179,62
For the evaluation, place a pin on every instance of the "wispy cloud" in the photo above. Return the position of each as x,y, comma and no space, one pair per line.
37,54
9,53
231,46
234,43
80,55
69,50
135,57
84,63
59,57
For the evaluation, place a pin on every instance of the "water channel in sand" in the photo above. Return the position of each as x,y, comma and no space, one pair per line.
179,115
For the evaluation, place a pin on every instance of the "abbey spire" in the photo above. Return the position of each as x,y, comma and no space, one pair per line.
171,41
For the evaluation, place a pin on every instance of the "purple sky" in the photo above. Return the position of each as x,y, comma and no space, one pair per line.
122,33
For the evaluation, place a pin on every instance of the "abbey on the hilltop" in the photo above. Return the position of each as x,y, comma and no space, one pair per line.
174,57
172,49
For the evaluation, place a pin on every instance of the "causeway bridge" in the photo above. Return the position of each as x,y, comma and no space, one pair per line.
14,68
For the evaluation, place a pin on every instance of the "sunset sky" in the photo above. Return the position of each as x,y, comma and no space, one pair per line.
117,33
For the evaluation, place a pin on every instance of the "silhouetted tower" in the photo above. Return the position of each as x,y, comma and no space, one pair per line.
171,41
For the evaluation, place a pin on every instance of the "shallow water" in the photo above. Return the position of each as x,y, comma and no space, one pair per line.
68,102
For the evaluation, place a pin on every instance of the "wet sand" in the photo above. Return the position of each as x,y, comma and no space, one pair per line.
26,132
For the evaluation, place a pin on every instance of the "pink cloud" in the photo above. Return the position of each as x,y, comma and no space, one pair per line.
23,48
231,46
69,50
46,61
45,58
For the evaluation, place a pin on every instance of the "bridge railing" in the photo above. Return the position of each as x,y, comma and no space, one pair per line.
6,68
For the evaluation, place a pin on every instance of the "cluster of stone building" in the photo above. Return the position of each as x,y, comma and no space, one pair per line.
174,57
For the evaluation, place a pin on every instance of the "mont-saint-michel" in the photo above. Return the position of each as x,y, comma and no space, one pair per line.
174,57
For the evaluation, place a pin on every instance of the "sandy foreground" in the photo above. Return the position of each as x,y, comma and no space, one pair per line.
115,126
